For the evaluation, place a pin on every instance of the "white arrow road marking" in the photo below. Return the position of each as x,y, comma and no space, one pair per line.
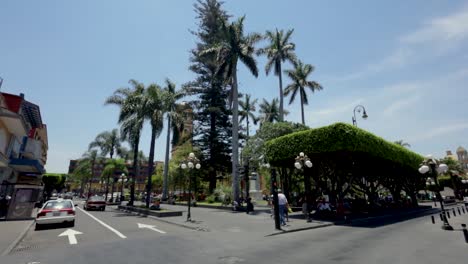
152,227
71,235
104,224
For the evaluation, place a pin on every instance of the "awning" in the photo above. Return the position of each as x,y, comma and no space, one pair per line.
13,122
26,165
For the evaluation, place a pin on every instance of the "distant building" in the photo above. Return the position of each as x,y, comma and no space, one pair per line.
450,155
462,156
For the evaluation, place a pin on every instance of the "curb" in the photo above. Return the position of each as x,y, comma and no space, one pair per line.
17,240
368,219
167,222
299,229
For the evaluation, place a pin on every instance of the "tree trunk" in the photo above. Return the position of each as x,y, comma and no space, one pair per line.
281,106
235,135
166,158
150,165
302,108
135,171
212,185
247,128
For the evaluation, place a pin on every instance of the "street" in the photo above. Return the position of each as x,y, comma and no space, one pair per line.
116,237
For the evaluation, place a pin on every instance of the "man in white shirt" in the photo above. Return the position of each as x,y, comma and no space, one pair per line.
283,205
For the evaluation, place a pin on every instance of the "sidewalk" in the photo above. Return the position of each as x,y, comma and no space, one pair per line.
207,219
11,233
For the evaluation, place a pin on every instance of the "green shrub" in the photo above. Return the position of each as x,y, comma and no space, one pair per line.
210,199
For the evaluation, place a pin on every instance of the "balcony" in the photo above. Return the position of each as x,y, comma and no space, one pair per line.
34,150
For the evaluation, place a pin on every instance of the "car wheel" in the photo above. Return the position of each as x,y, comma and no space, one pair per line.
103,209
71,224
37,227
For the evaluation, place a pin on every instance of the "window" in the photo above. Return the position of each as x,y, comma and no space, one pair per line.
58,205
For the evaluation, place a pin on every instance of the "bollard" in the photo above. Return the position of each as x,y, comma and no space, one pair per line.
459,212
453,210
433,219
448,214
441,217
465,232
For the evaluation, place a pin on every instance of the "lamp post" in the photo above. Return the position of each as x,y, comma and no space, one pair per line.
190,163
358,109
303,162
122,180
431,166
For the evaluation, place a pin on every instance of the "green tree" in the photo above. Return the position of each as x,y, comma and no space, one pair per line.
212,126
269,112
108,142
248,111
85,170
131,119
53,181
279,49
300,75
402,143
171,110
235,46
113,166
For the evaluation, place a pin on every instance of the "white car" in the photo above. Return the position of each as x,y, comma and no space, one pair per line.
465,199
60,211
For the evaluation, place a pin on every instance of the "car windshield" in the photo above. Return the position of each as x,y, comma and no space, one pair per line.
57,205
96,198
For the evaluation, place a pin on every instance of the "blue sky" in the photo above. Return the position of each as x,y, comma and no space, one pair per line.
405,61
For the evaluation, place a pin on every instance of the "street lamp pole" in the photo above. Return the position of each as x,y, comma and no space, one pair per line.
358,109
303,162
190,163
122,179
430,165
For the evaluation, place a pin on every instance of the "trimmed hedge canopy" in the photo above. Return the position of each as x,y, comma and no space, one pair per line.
338,137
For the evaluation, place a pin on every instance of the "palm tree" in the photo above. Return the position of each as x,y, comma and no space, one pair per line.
269,112
154,112
402,143
300,76
235,46
112,167
108,142
171,109
248,109
86,166
279,50
131,118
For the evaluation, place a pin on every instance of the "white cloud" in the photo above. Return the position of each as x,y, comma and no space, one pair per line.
400,104
434,37
441,131
338,108
453,27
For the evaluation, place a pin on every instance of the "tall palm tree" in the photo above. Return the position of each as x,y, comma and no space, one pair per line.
269,112
154,112
402,143
248,111
300,75
279,50
108,142
131,118
170,108
112,167
235,47
86,167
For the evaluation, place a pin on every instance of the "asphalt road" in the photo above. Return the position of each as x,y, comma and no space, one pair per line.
412,241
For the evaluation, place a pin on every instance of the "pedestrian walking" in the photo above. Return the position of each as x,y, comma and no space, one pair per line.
283,205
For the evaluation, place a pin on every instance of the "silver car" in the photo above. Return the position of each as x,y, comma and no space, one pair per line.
61,211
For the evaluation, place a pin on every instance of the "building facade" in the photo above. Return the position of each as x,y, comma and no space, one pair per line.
23,155
462,156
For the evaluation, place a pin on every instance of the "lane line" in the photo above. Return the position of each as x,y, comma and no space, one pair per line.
103,224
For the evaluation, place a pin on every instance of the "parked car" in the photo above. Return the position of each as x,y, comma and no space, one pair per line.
95,202
60,211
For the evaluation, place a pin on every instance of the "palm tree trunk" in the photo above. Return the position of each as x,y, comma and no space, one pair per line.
150,165
107,187
247,127
135,171
302,109
281,109
235,134
166,158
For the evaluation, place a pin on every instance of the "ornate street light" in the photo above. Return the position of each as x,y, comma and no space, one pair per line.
303,162
358,109
431,166
190,163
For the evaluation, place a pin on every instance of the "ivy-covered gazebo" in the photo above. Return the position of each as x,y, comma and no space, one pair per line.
349,161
